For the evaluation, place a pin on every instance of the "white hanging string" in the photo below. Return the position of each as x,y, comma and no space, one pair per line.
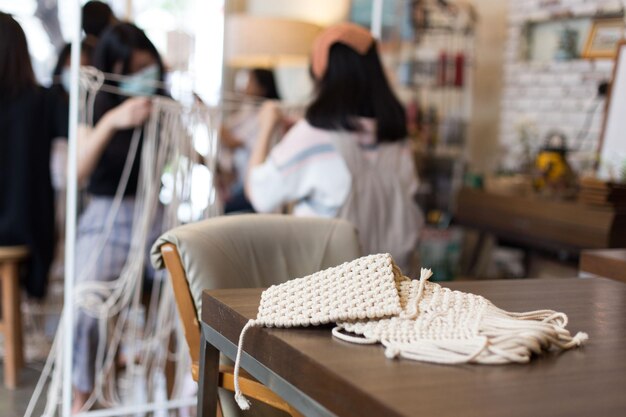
167,144
231,101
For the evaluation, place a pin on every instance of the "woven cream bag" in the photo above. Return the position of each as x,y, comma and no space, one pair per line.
372,300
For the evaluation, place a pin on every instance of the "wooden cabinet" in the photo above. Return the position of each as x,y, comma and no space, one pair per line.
540,223
609,263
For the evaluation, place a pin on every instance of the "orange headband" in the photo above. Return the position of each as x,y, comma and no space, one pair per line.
351,35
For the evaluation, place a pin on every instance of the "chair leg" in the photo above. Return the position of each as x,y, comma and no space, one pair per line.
13,357
208,381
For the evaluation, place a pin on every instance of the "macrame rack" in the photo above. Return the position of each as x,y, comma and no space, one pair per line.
167,146
230,101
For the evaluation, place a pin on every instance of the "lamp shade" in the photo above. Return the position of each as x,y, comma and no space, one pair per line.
266,42
320,12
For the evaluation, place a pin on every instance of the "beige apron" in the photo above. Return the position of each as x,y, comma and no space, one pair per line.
379,206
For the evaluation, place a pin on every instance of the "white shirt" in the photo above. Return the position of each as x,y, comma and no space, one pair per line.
306,168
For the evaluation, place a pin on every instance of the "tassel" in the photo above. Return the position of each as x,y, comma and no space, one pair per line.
241,400
503,337
580,338
425,274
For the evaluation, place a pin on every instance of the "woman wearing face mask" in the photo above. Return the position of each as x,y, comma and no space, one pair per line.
123,50
27,127
348,158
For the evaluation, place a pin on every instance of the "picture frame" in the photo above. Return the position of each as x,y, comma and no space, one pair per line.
603,38
559,39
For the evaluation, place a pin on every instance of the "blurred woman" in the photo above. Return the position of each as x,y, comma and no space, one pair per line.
28,116
124,51
348,158
239,134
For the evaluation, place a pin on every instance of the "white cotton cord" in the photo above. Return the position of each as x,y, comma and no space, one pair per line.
578,339
167,146
106,288
425,274
447,352
113,212
360,340
514,336
83,116
230,103
123,294
56,385
241,400
91,80
45,373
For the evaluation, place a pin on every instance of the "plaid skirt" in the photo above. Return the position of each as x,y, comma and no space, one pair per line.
109,260
112,257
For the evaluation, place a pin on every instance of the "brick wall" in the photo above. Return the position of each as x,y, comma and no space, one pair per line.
550,95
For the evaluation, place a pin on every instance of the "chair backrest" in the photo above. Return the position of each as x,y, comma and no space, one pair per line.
247,251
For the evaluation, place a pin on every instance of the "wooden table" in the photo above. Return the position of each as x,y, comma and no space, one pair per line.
609,263
322,376
541,223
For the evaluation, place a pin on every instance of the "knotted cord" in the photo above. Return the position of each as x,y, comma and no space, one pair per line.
168,137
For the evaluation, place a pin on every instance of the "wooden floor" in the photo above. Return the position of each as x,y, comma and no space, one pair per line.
13,403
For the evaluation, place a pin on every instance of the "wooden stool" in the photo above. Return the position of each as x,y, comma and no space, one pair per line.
11,323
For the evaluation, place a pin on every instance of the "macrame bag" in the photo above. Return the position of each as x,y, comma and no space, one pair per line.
414,319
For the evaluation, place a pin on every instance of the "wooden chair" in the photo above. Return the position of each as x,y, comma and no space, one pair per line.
11,323
191,328
247,248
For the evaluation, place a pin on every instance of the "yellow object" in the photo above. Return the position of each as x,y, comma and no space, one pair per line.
553,167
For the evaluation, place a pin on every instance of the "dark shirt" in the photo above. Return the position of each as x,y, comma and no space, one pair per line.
28,123
106,176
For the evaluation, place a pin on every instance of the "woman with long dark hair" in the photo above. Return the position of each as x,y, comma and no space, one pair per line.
134,68
28,115
349,157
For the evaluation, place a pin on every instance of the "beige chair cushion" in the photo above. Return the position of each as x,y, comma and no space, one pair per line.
254,250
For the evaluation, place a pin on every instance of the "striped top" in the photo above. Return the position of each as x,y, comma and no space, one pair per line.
306,168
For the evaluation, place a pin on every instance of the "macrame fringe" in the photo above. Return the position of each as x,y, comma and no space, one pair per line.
503,337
